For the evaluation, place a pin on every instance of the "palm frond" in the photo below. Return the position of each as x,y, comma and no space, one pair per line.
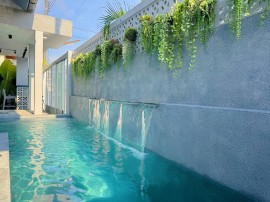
113,11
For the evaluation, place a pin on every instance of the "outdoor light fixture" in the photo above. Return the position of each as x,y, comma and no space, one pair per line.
24,52
10,36
0,50
14,51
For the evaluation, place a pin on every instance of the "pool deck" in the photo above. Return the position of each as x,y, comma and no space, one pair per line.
24,114
5,193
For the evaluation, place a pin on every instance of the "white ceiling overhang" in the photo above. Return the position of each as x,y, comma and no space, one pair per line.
22,26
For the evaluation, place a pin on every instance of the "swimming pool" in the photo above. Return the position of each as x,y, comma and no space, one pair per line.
65,160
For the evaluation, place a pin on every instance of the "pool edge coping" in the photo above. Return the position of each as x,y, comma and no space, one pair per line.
5,185
25,117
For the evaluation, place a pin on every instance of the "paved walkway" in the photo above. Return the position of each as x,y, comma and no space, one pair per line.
5,193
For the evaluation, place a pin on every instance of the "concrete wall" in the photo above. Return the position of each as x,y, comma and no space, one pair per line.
213,119
79,108
22,72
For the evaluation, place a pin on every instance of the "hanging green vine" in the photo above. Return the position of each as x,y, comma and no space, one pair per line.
97,54
89,63
106,50
147,33
156,32
178,31
166,43
264,15
77,64
129,40
168,35
237,9
187,21
116,54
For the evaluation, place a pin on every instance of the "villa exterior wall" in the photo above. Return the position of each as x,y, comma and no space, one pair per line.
22,72
214,118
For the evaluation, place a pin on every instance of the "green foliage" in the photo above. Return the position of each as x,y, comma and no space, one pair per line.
147,33
116,54
198,20
89,64
239,8
187,21
129,40
168,35
157,32
166,43
8,73
85,64
97,54
130,34
101,59
265,12
128,52
113,11
77,63
236,10
106,50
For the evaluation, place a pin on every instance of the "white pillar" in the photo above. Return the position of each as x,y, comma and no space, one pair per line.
38,72
35,74
31,88
68,81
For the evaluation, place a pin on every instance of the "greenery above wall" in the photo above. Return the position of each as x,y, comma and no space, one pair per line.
106,55
147,32
239,8
129,40
167,35
113,12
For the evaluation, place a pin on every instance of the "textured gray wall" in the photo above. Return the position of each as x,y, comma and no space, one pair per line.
79,108
213,119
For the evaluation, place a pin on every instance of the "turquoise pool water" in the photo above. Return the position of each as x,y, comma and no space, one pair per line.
65,160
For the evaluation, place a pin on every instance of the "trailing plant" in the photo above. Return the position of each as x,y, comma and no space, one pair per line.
165,46
77,64
147,33
89,64
188,23
156,34
113,11
192,19
106,50
170,33
97,54
265,12
116,54
129,40
130,34
237,9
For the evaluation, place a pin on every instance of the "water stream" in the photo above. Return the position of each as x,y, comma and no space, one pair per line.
125,122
